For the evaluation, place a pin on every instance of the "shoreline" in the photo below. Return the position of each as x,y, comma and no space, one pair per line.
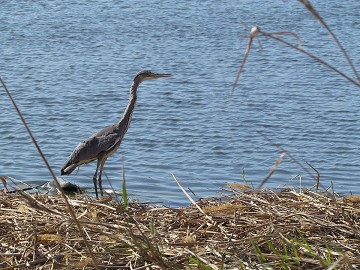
244,229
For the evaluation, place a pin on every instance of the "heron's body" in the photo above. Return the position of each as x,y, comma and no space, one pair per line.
106,141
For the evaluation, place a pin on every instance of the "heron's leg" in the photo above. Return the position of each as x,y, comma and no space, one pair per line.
100,173
95,178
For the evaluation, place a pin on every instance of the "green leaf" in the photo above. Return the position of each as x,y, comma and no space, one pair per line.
199,263
124,193
243,175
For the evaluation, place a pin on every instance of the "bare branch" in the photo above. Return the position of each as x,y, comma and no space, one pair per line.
317,16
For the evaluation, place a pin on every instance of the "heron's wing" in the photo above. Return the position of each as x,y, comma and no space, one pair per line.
102,141
89,149
107,141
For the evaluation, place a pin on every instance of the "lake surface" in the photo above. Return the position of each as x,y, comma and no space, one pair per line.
69,65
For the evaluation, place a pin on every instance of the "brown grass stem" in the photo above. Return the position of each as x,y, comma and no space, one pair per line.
289,155
317,16
273,169
191,199
316,58
245,225
317,177
255,31
253,34
69,208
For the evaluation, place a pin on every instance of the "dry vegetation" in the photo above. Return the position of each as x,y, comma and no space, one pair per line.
241,229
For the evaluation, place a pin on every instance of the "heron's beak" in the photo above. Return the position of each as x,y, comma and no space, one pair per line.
155,76
158,75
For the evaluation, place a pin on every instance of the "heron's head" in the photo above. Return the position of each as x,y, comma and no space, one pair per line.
149,75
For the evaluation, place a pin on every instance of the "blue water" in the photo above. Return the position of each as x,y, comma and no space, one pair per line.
69,65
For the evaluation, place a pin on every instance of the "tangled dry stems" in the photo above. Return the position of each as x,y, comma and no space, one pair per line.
241,229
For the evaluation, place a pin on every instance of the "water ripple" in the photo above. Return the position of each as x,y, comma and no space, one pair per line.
69,66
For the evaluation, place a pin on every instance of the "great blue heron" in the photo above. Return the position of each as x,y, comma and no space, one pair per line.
106,141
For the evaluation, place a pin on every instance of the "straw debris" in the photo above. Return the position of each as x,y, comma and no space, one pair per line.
240,229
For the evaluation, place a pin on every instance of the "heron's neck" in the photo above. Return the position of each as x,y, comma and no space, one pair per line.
126,118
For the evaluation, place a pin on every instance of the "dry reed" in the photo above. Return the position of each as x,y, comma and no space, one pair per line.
242,230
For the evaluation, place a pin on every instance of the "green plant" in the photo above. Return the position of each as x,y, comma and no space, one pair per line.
243,176
124,192
200,264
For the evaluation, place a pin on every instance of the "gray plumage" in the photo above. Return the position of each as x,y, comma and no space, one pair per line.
106,141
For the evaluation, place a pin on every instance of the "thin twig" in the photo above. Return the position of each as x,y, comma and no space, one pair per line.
273,169
288,154
255,31
70,210
318,175
253,34
111,186
191,199
326,64
317,16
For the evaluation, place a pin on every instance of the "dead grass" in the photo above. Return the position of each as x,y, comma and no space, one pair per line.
242,230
